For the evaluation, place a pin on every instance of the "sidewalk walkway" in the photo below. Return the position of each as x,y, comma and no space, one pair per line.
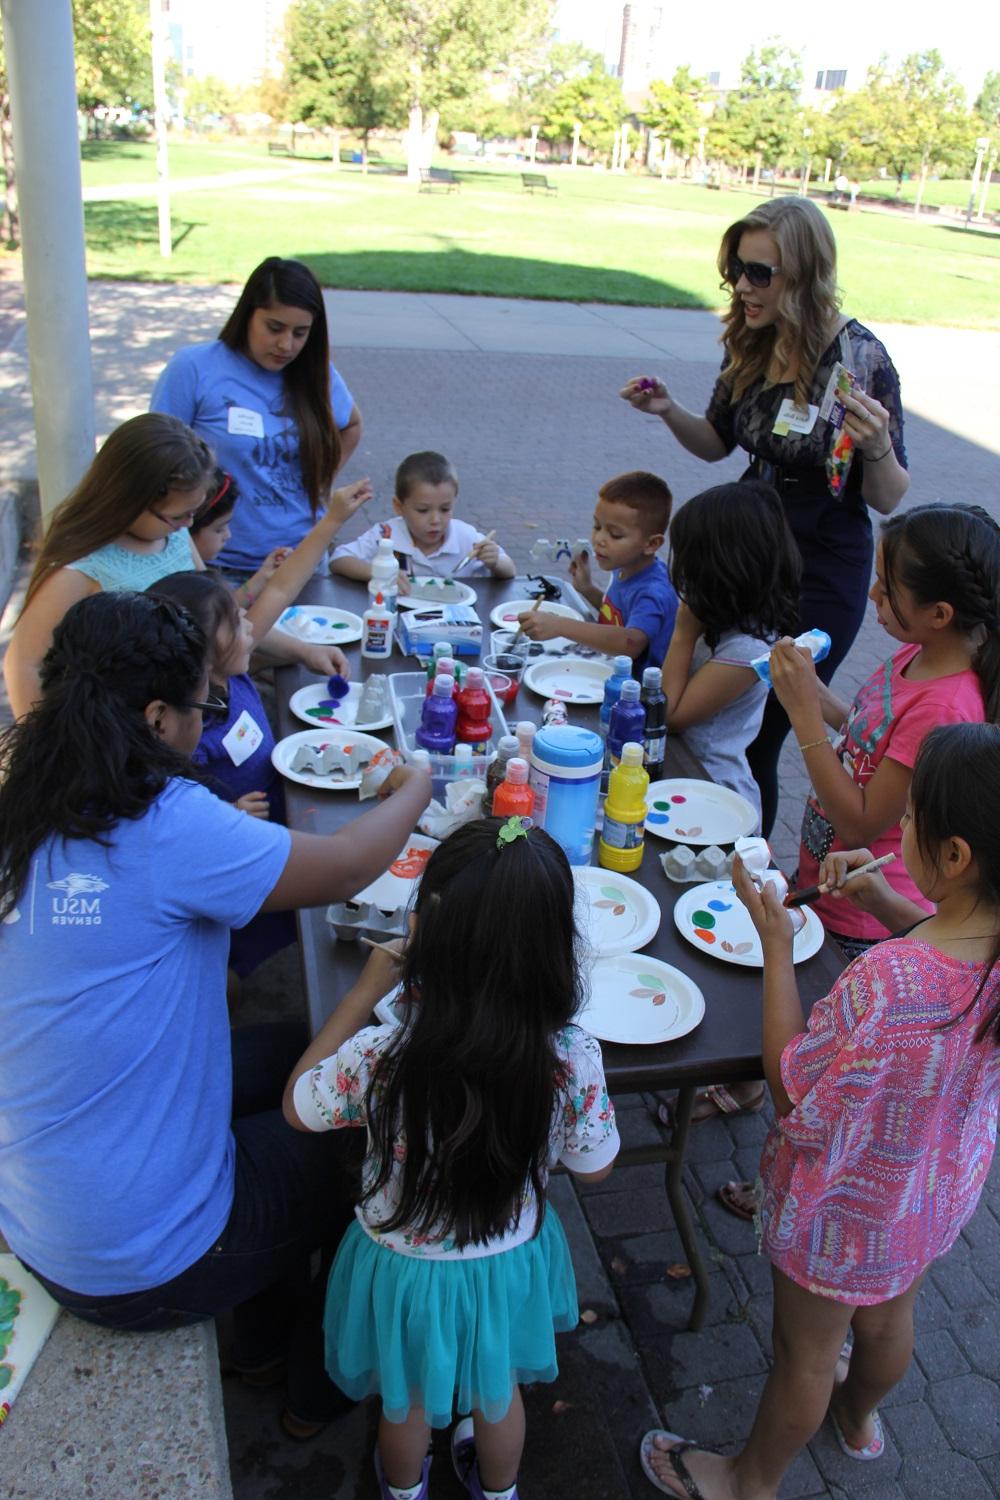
521,395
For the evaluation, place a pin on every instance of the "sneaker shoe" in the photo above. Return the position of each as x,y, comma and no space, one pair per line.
425,1483
463,1457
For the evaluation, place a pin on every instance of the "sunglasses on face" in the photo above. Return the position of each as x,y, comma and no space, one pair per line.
755,272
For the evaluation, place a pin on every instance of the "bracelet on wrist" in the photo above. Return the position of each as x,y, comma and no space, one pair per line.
881,456
812,744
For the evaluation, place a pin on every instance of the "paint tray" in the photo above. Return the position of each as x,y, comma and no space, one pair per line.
406,695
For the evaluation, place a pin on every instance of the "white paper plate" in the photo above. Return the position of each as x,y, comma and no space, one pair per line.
344,714
574,679
504,616
714,920
698,812
640,1000
436,591
284,752
394,886
613,913
320,627
389,1010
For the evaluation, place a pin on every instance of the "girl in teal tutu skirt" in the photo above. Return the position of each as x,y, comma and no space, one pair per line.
447,1290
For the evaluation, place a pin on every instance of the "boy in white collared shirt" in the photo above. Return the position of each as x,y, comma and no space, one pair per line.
426,538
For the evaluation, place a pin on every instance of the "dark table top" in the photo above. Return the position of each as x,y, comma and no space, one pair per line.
725,1047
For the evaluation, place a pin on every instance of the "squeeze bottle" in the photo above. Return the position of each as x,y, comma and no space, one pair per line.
462,767
623,836
376,641
384,577
514,795
628,721
525,732
436,730
507,748
621,672
654,740
566,779
474,705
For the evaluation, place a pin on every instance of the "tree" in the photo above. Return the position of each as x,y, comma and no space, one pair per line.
113,47
334,72
675,112
988,104
762,116
594,101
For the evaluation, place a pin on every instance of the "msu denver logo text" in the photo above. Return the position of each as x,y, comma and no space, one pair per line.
81,905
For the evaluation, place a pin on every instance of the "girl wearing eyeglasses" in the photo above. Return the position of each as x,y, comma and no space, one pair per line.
784,338
147,1175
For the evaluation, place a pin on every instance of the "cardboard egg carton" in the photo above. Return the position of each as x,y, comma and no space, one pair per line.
690,866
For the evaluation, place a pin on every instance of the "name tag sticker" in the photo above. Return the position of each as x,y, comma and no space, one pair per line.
792,418
243,739
246,423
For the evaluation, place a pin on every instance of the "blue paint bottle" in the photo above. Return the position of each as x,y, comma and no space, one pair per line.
628,722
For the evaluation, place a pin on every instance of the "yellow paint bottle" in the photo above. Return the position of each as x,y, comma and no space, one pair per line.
623,836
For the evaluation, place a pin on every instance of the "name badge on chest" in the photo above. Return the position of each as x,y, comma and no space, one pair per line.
245,423
792,418
243,739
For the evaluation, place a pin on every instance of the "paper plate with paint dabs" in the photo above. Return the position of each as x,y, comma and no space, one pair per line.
613,914
713,918
698,812
640,1000
320,626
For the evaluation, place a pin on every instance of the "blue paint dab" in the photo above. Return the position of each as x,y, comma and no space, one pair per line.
657,818
720,905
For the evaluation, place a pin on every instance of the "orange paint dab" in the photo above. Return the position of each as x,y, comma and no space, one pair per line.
706,937
411,864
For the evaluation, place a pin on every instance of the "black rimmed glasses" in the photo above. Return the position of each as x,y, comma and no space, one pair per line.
177,522
212,704
755,271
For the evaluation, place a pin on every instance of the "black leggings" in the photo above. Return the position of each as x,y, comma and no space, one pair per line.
837,548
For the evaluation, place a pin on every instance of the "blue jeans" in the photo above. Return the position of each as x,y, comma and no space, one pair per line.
293,1197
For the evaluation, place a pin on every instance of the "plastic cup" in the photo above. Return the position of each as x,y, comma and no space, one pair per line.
504,674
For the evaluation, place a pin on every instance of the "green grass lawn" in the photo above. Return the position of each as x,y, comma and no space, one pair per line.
601,238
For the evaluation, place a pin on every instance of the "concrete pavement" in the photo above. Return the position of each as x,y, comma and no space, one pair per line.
521,396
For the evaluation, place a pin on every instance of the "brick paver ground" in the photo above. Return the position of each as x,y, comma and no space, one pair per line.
533,434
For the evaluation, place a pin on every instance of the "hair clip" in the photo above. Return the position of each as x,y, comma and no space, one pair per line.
223,489
515,827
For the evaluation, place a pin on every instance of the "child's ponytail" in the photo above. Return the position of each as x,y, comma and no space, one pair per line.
952,553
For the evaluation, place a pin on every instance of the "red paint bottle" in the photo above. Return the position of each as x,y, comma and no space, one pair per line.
473,727
514,795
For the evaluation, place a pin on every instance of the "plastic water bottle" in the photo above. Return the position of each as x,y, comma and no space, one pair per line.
621,671
565,777
384,577
623,836
514,795
654,741
628,722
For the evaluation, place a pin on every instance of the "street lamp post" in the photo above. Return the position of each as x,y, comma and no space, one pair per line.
981,146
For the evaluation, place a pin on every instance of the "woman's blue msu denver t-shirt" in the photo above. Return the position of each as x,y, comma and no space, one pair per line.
116,1156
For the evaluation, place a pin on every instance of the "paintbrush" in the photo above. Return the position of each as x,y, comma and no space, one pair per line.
799,898
383,948
468,556
520,629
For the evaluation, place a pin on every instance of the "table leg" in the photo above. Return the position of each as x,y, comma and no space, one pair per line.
678,1204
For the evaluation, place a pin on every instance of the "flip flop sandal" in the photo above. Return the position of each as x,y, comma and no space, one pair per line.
740,1198
722,1103
674,1457
870,1451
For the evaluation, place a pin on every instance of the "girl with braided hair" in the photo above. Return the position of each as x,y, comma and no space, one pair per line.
936,590
147,1176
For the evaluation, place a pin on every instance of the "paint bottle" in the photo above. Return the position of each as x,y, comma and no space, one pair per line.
628,722
525,732
462,766
384,578
654,740
514,795
621,671
376,640
507,748
566,780
622,838
441,665
474,727
436,730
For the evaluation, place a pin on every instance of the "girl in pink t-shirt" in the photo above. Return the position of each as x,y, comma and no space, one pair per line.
937,590
886,1110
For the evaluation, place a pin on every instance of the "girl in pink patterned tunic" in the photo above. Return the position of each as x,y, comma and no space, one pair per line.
886,1122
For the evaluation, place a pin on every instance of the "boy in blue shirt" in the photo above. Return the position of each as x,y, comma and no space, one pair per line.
638,608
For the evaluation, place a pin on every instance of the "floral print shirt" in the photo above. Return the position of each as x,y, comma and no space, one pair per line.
584,1136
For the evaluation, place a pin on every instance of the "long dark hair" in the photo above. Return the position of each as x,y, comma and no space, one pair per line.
951,554
955,793
139,463
735,563
207,600
307,378
472,1077
85,757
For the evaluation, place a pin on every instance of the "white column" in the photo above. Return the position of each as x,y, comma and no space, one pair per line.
161,110
39,42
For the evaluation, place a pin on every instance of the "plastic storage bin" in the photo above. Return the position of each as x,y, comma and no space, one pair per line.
406,695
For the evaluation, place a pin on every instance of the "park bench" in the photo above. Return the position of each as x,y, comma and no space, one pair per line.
278,148
537,182
443,177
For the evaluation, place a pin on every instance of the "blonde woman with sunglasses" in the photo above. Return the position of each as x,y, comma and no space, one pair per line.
785,341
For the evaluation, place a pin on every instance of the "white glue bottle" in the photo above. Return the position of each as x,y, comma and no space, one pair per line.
384,578
377,622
